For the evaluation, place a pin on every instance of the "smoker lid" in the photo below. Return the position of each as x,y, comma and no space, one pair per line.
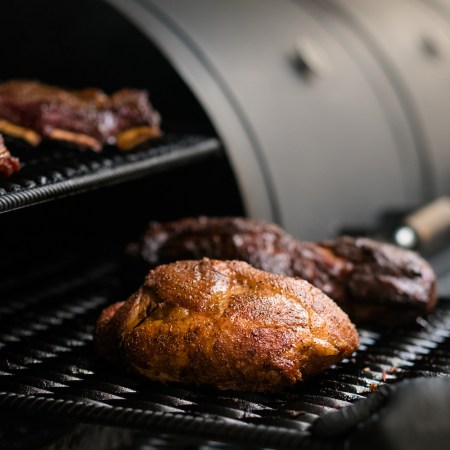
54,171
48,366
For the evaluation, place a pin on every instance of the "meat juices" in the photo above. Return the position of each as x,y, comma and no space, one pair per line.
371,281
226,324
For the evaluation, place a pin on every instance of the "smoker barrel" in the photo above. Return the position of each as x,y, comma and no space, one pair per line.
318,115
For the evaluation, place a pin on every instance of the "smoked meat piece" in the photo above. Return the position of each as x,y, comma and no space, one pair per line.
226,324
371,281
384,282
8,164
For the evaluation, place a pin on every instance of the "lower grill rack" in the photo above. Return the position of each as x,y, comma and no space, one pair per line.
48,367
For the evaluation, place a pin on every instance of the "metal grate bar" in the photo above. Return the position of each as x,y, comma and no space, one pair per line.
59,172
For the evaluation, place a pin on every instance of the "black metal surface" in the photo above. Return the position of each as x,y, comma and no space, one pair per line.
48,367
53,171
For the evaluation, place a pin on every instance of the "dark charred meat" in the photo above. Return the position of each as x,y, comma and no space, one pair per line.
88,118
370,280
384,282
8,164
226,324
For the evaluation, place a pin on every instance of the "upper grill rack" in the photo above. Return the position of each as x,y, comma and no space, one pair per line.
48,366
52,171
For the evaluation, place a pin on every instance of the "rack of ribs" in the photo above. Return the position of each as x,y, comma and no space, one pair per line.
88,118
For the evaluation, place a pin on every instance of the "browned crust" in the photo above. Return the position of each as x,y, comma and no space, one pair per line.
226,324
385,281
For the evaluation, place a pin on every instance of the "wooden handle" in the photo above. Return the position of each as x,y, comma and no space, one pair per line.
430,221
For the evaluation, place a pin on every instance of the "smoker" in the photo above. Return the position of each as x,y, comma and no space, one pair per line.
324,116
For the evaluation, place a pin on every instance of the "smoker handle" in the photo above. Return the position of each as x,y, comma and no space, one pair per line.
412,415
310,59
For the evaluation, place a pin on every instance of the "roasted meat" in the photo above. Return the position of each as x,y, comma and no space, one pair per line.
226,324
8,164
88,118
384,282
371,281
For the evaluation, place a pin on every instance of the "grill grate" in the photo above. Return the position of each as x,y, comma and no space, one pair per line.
48,366
53,171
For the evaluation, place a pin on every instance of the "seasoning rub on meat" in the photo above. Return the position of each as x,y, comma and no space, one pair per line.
226,324
89,118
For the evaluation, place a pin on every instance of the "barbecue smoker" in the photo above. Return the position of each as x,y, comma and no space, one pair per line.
323,116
